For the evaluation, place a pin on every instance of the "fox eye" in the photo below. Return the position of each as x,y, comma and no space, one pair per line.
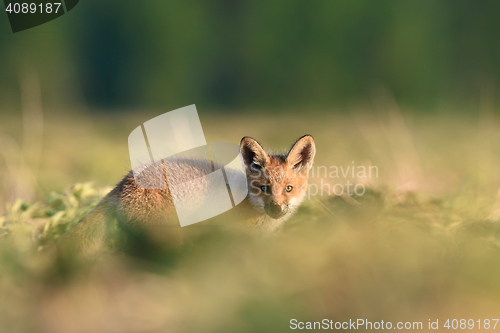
264,188
289,188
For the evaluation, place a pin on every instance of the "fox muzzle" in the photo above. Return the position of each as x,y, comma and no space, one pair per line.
275,210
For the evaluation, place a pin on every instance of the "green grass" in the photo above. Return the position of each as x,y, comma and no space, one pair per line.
422,242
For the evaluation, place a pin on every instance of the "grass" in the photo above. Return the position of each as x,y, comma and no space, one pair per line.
422,242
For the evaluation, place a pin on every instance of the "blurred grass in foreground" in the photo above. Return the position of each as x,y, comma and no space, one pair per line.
390,258
422,243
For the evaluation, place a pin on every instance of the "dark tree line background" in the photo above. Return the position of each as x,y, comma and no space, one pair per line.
248,54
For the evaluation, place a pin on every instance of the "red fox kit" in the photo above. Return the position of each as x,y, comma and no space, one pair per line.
277,185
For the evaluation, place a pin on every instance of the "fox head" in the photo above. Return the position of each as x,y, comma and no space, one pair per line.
277,183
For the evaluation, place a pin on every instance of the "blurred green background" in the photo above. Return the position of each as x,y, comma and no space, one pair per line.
62,84
233,54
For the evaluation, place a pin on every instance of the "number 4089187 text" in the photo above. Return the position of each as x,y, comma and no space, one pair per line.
32,8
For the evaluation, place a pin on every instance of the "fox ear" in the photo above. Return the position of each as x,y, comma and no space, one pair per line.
301,155
254,156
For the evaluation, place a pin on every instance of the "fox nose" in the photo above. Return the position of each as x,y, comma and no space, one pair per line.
275,211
